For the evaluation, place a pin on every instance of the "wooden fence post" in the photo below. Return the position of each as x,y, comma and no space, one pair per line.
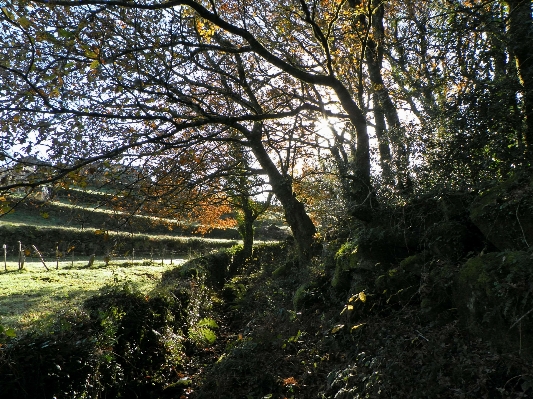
5,257
57,257
162,256
21,257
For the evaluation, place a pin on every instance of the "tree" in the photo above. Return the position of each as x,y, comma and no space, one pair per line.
452,63
165,75
91,80
520,37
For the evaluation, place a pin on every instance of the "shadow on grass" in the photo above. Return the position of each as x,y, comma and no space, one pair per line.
39,304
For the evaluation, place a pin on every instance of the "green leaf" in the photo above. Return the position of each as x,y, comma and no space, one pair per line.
65,33
208,335
208,322
24,22
94,64
8,13
10,333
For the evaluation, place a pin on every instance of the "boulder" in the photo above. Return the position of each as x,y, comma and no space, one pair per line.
494,296
504,213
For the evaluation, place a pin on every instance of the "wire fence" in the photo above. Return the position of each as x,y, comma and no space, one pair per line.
54,258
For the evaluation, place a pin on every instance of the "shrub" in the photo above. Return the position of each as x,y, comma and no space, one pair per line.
122,344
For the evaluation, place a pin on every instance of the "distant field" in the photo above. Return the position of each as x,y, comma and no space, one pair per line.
33,294
62,213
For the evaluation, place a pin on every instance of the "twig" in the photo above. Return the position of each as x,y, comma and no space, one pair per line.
421,336
520,319
520,224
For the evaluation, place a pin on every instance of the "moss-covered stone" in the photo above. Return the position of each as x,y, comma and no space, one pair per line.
234,289
504,214
436,290
385,245
447,240
414,263
346,260
401,284
494,293
306,295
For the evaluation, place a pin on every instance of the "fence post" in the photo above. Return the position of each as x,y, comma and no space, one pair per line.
57,257
171,253
132,256
21,259
5,257
162,256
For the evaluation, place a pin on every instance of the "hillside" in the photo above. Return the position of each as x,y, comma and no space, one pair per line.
93,209
433,300
82,222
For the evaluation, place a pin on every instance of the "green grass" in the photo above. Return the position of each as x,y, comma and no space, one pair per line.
62,212
33,294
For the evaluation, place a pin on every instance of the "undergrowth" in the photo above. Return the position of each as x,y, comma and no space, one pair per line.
274,330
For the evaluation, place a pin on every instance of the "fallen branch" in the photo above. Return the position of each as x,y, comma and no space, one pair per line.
520,319
40,256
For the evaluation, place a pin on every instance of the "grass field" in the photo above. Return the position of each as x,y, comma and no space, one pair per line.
33,294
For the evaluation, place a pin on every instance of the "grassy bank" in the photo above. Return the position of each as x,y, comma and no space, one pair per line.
34,294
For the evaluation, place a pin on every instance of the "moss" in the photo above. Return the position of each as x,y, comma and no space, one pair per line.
398,285
493,291
346,260
300,296
413,262
447,240
504,213
473,273
284,270
234,290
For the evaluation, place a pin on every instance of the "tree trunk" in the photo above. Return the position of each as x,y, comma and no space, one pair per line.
297,218
521,37
246,230
362,196
383,101
383,142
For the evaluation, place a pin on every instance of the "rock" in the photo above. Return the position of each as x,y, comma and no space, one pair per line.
494,296
504,214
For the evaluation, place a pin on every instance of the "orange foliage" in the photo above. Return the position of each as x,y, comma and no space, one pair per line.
213,214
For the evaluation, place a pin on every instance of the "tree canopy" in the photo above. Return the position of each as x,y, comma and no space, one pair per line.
366,99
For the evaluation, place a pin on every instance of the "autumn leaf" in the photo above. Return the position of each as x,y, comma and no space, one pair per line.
337,328
362,296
